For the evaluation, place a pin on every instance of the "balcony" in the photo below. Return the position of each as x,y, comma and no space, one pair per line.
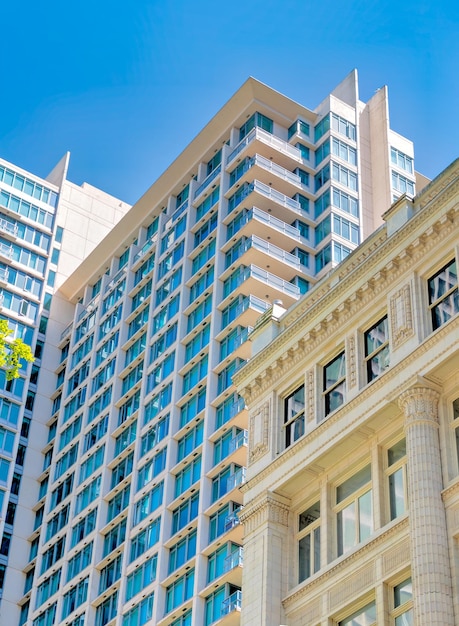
269,227
145,248
6,250
282,263
268,172
235,479
266,286
232,603
8,228
206,182
269,146
235,559
4,275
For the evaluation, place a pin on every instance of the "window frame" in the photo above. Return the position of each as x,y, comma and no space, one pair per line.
340,381
353,498
368,357
434,304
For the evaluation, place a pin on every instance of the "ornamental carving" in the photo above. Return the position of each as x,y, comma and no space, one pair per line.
351,362
419,404
258,432
269,509
310,396
401,316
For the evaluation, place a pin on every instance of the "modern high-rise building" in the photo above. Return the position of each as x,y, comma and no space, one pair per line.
47,227
351,513
128,505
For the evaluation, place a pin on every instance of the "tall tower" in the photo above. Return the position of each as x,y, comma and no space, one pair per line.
131,512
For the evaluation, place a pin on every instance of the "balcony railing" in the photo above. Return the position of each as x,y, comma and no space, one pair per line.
8,227
280,171
274,251
146,246
236,478
273,281
115,279
4,274
270,140
206,182
231,521
6,250
241,439
232,603
275,222
277,196
235,559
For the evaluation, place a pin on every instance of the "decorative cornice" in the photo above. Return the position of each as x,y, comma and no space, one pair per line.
352,271
398,384
318,582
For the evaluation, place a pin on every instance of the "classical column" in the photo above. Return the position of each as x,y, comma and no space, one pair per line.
431,573
264,581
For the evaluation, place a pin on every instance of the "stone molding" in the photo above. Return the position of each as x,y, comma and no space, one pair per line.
334,570
380,282
391,377
401,316
260,447
270,508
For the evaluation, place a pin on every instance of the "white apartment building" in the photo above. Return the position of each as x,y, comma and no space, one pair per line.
138,441
47,227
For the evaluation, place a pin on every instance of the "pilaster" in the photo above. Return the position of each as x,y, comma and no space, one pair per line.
431,573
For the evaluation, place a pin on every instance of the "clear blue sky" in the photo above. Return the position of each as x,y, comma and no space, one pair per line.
124,86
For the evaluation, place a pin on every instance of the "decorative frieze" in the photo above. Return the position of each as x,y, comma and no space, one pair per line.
270,508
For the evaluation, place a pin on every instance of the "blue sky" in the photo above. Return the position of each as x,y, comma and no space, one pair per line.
124,86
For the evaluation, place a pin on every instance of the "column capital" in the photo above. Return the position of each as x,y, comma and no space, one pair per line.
419,404
269,507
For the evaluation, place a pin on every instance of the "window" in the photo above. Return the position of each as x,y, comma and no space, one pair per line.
47,617
141,577
145,540
79,561
190,441
443,294
397,478
402,184
223,520
309,542
52,555
354,510
156,434
118,503
179,591
402,160
377,349
182,552
87,495
362,617
114,538
294,416
192,407
257,119
123,469
334,383
403,604
298,127
99,404
148,504
223,560
187,476
126,437
152,468
47,588
83,528
106,611
185,513
141,613
110,573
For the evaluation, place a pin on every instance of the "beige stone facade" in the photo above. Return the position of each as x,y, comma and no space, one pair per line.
351,505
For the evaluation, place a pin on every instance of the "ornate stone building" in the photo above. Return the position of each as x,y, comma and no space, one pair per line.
351,505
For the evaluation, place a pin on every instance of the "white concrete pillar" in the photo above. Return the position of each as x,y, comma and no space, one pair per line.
431,572
264,581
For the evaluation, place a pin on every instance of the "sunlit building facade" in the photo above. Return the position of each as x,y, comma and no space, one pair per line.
139,436
351,503
47,227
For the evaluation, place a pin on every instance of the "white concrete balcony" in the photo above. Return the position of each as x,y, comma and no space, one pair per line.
270,173
269,146
6,250
8,228
266,286
206,182
255,250
269,226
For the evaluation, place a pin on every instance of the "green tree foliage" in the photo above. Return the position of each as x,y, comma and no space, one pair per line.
12,352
